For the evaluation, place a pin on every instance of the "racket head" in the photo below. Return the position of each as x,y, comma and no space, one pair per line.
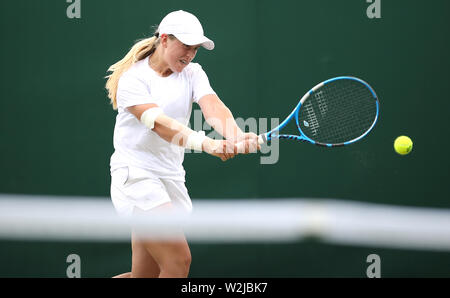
336,112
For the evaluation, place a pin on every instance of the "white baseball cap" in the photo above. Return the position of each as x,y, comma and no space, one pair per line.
186,28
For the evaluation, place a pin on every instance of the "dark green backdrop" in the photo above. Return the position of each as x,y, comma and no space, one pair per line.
57,124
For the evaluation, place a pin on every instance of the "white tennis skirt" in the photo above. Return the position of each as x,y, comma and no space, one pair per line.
133,187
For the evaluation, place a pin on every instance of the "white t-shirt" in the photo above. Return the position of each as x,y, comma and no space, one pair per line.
137,145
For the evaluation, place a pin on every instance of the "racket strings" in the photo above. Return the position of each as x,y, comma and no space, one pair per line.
338,112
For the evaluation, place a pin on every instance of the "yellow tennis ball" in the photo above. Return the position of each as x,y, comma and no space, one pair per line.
403,145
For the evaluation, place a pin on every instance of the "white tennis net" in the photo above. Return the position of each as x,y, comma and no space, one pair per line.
237,220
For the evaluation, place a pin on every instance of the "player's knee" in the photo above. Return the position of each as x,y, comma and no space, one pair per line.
184,261
180,263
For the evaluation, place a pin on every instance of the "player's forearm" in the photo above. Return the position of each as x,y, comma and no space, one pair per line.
176,133
171,130
221,119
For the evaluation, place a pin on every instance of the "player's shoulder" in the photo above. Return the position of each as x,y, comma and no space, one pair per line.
134,73
138,68
192,69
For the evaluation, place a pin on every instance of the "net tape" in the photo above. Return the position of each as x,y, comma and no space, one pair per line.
246,220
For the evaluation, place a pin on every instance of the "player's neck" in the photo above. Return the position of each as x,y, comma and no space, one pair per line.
159,65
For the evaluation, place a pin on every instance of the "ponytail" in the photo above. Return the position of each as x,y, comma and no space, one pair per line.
139,51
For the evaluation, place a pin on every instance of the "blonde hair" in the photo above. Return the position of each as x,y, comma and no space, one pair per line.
139,51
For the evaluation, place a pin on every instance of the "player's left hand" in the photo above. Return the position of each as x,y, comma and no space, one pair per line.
249,141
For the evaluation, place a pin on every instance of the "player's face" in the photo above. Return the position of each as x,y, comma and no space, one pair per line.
178,55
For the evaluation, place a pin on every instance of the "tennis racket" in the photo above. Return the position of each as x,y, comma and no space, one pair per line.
336,112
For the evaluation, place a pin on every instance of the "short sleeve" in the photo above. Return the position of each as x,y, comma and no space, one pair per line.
201,86
132,91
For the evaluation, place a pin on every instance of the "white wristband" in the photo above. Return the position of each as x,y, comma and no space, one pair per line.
195,140
150,115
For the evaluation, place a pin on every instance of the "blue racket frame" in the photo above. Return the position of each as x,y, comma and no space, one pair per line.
302,137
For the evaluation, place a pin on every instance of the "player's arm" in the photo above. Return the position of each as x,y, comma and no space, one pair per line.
176,133
219,116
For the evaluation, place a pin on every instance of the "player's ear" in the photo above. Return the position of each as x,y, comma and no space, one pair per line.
163,40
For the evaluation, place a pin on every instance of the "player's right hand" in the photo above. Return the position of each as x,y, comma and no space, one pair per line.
222,149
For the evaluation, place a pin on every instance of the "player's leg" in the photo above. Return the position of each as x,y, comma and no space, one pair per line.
172,257
142,263
131,187
123,275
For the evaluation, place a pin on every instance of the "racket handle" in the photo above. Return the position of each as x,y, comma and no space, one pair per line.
261,139
241,145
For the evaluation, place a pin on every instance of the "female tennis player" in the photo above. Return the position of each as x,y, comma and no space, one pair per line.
153,88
